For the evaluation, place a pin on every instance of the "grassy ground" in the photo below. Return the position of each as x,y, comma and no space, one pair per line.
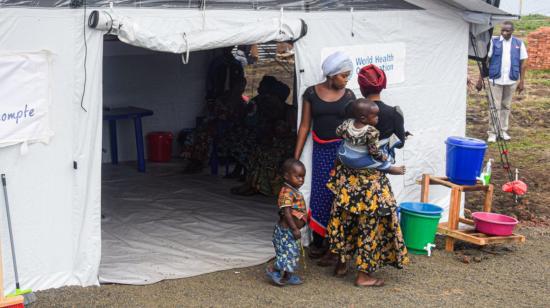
529,128
530,23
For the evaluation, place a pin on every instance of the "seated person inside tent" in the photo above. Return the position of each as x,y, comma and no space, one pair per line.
221,113
257,124
360,148
242,138
275,143
264,176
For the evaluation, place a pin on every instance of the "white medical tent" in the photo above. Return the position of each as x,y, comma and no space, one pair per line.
51,58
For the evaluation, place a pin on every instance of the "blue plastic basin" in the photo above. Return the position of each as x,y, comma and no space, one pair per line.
421,208
464,159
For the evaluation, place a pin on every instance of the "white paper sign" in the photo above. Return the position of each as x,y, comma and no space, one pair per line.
24,97
388,57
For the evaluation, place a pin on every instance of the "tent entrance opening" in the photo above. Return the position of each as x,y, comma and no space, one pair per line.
167,223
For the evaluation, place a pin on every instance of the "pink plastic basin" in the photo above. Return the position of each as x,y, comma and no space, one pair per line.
494,224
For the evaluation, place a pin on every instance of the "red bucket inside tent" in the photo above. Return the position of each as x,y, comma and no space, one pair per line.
159,146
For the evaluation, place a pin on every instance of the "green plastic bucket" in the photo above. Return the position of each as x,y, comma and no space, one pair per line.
418,231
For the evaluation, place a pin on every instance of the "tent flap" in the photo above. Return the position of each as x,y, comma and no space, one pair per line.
183,40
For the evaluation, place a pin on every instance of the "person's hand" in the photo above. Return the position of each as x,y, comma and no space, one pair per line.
479,84
297,234
469,83
520,87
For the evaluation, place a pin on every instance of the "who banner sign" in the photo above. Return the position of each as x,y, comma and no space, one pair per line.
389,57
24,97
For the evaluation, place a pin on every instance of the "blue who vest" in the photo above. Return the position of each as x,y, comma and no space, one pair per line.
496,59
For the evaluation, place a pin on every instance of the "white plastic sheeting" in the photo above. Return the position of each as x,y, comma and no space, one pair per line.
166,225
315,5
25,93
199,31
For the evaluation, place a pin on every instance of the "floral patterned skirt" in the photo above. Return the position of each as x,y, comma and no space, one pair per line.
264,164
287,250
363,224
239,144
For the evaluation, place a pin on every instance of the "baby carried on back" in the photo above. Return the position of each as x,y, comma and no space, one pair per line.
361,147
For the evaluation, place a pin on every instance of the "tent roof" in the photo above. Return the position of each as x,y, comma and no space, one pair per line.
479,6
476,6
309,5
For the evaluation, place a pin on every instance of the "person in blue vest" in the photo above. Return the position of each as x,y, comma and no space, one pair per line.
507,68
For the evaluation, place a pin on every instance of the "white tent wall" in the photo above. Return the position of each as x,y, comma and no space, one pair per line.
55,208
153,80
433,96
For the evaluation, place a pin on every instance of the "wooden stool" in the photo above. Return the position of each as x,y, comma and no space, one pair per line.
451,228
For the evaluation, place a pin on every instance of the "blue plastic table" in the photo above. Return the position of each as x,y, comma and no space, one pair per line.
135,113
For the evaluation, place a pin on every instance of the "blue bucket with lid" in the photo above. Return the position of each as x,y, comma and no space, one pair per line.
464,159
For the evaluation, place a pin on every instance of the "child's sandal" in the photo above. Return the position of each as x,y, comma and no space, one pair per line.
275,277
294,280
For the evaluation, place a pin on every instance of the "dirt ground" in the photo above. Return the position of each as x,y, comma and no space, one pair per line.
505,276
528,149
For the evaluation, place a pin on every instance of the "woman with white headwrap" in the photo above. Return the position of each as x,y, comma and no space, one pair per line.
324,108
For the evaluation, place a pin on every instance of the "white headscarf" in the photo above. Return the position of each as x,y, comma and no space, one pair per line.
336,63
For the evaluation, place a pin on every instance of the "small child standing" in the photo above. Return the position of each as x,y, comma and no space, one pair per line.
292,218
360,147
